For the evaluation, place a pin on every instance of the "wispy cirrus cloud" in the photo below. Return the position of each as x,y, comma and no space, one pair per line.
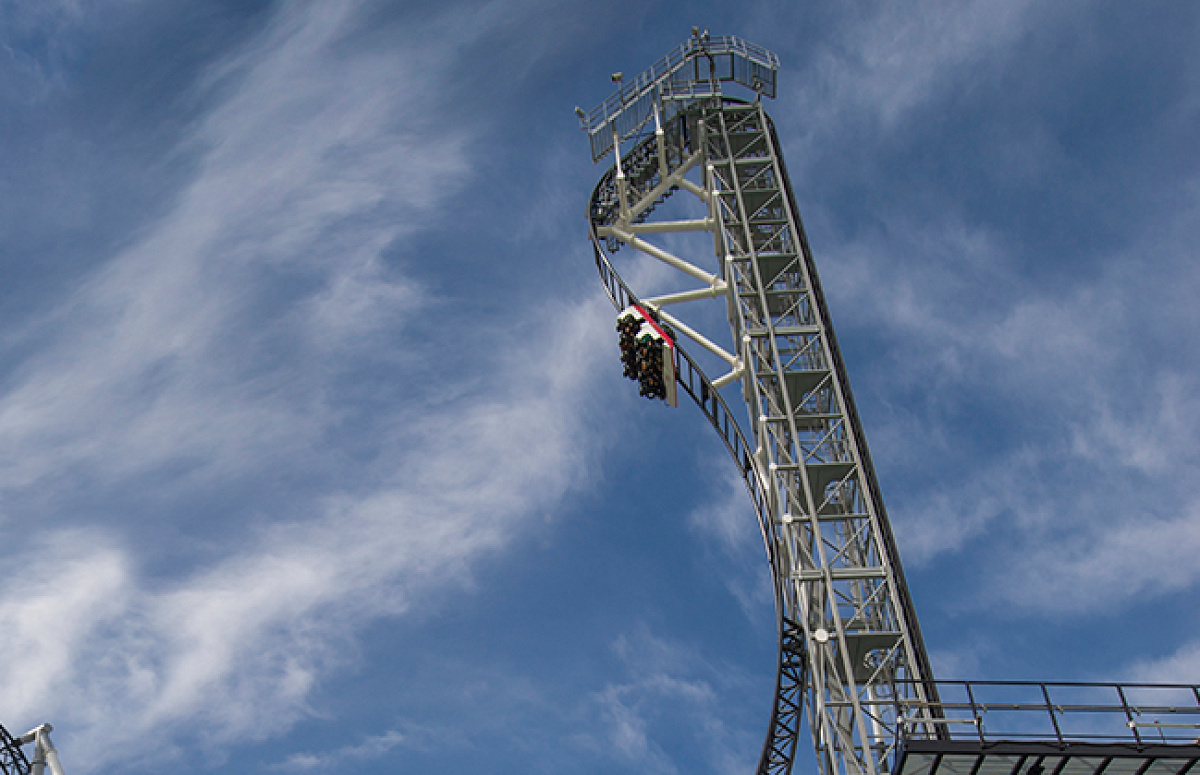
1088,387
1128,559
1183,666
725,522
369,748
880,69
309,170
669,683
1036,388
238,646
221,352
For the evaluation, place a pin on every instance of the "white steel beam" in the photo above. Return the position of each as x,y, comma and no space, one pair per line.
661,227
662,255
699,294
701,339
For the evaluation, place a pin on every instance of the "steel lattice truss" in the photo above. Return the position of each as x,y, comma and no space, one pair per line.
12,759
850,650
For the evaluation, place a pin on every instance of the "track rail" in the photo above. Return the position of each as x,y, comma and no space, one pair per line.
779,750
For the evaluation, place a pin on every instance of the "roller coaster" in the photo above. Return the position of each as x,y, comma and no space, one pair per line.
850,652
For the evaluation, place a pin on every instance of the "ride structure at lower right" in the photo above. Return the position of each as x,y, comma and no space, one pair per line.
850,649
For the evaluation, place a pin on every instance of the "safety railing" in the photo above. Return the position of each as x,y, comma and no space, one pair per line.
1061,712
696,68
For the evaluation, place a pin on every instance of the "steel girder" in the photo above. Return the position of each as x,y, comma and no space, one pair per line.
839,572
849,640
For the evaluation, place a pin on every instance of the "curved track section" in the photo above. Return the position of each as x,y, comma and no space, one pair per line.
780,748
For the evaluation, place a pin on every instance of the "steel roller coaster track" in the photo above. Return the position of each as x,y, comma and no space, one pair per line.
779,751
849,647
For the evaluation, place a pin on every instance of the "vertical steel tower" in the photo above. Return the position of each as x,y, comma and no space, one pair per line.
850,649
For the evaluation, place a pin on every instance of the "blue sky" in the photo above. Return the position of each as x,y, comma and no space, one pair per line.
314,450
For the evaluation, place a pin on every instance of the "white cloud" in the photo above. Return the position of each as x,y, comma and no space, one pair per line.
1088,386
1045,411
727,516
315,163
1132,557
902,58
726,520
57,598
36,71
371,747
1154,435
670,683
237,647
1181,667
193,350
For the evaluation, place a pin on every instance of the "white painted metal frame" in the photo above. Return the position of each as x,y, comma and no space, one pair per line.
44,752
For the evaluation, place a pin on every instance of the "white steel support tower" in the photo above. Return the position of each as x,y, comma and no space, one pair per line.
850,649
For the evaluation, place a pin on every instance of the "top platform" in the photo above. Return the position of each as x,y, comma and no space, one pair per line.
696,68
